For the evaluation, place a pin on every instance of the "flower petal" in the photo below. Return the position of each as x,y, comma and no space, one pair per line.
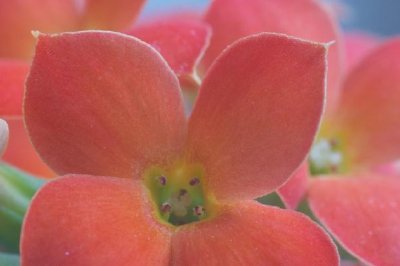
249,128
111,15
19,18
12,81
233,19
180,41
362,213
3,136
368,115
102,103
293,191
20,151
249,233
86,220
357,46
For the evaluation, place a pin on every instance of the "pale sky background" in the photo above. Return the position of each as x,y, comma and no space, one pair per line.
379,16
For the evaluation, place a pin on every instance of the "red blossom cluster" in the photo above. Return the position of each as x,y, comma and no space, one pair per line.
156,138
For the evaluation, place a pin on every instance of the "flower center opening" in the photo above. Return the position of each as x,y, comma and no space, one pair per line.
326,157
178,193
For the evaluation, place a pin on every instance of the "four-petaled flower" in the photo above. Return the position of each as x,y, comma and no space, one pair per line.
142,183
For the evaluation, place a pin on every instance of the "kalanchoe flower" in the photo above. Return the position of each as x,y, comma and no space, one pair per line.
359,206
3,136
153,188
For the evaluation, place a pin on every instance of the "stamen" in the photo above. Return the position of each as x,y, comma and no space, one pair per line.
194,181
199,211
166,207
163,180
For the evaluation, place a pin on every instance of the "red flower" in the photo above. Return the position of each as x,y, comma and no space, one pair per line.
151,187
357,204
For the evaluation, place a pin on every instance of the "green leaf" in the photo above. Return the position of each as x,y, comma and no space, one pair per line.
16,191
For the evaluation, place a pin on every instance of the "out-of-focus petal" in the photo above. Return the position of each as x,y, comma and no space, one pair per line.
19,18
292,192
358,45
102,103
86,220
110,15
256,114
249,233
12,79
233,19
392,168
3,136
20,151
362,213
367,120
181,42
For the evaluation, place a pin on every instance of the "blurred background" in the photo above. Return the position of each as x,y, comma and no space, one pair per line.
381,17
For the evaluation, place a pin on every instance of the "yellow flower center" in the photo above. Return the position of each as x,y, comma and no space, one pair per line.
178,193
327,157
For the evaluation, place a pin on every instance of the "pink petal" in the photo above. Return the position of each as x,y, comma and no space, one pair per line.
19,18
180,41
368,114
102,103
249,233
357,46
111,15
233,19
86,220
256,114
12,79
362,213
293,191
3,136
20,151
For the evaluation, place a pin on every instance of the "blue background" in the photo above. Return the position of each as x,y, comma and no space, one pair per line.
379,16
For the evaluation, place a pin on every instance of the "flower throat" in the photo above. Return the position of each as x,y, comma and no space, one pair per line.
178,193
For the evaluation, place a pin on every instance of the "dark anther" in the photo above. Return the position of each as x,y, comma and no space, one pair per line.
163,180
166,207
194,181
199,210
